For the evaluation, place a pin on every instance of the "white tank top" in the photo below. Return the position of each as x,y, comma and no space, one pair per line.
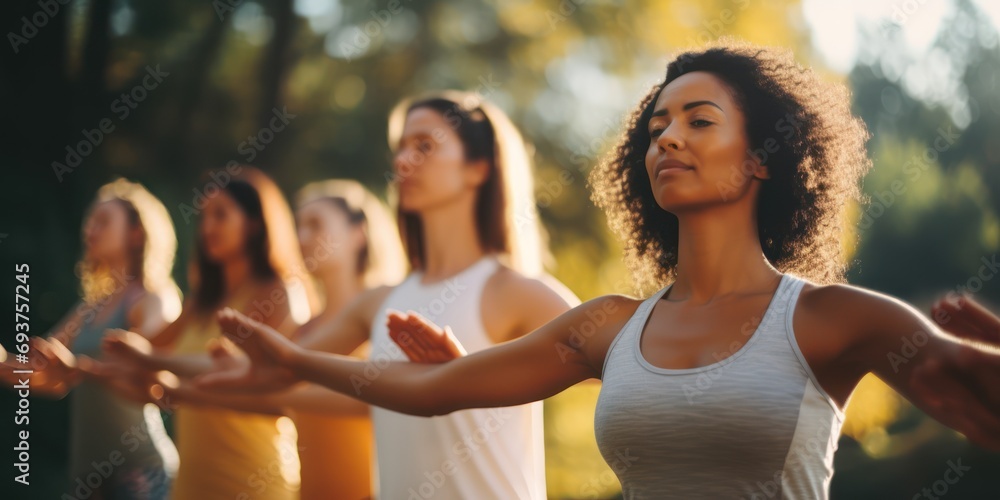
486,453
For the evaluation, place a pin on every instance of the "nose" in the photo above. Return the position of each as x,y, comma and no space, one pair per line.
399,161
670,138
402,164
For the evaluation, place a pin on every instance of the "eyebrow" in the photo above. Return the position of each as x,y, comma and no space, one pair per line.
690,105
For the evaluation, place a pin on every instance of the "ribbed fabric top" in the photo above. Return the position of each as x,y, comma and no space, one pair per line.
483,453
754,425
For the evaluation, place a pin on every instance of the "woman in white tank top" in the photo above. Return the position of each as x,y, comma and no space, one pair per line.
729,381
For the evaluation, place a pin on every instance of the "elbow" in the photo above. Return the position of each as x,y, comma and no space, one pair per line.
437,410
431,405
431,401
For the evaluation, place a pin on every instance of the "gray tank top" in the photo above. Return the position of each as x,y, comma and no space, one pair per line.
754,425
102,423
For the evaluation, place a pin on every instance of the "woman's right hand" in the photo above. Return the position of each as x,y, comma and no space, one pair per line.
421,340
125,379
60,372
271,357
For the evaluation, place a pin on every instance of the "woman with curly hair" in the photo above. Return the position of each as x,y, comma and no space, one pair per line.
729,189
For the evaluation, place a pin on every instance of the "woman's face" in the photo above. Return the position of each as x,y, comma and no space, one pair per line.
327,238
699,154
430,163
106,231
223,228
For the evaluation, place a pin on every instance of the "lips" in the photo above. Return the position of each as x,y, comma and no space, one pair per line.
670,166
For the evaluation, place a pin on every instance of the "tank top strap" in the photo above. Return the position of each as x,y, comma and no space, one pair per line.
784,300
480,272
633,327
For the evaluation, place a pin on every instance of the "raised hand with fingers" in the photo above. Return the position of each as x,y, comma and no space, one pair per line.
60,371
963,317
270,354
421,340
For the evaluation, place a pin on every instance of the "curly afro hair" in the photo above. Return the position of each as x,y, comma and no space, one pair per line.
815,169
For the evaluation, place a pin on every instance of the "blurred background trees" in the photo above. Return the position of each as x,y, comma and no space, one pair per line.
185,86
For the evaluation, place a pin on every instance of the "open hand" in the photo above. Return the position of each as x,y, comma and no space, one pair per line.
962,316
421,340
126,379
60,372
271,356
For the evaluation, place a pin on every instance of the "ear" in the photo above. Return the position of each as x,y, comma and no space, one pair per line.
253,227
761,172
477,172
757,170
136,236
358,234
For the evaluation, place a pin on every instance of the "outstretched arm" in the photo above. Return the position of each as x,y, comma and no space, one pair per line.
955,381
527,369
309,398
434,347
135,349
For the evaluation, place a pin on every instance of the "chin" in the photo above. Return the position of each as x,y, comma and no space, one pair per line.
214,255
680,201
673,198
410,205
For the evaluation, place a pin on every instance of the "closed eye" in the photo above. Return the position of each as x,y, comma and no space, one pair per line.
655,133
700,123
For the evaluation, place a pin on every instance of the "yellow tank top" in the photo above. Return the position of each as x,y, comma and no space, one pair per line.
229,455
336,455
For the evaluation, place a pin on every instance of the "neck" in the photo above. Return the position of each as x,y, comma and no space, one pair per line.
451,239
719,253
236,272
340,286
121,272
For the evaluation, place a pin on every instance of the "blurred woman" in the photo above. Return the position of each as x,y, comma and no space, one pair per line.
349,246
129,247
246,258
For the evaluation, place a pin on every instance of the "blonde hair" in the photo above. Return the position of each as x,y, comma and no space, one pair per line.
514,233
385,262
153,262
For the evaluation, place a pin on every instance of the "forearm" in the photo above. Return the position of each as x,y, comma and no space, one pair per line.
51,390
398,386
506,375
239,402
185,366
313,398
305,397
